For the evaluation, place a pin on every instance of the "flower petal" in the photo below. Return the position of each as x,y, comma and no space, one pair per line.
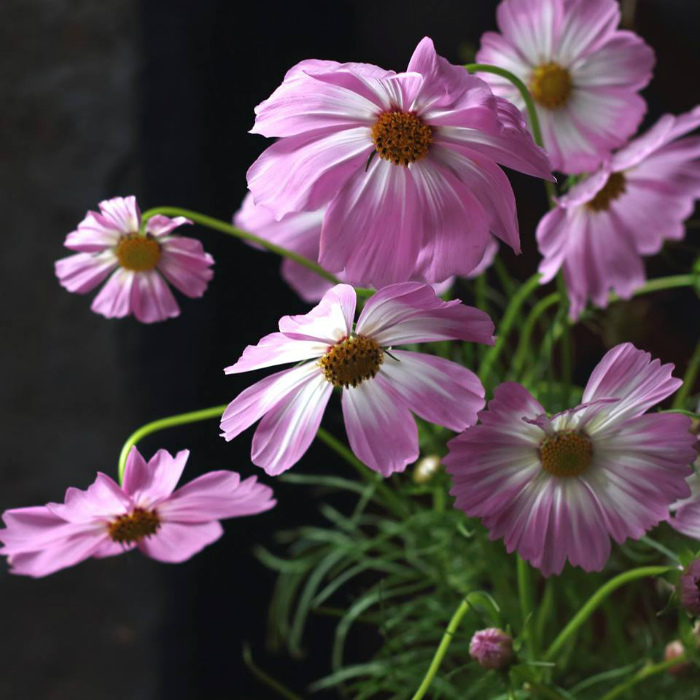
177,542
151,298
102,500
186,266
149,483
160,225
114,299
84,271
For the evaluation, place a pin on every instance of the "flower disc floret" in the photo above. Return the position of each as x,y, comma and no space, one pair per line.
352,361
551,85
566,454
138,253
401,137
133,527
613,189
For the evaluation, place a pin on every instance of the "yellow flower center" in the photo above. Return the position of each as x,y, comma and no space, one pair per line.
138,253
551,85
615,187
134,526
401,137
566,454
352,361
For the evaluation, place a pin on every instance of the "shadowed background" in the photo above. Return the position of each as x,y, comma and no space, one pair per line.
155,98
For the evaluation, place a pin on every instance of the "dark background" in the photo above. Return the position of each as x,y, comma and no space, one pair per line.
155,98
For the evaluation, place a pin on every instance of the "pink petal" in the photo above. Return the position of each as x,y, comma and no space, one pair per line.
289,427
84,271
102,500
632,376
412,313
277,349
437,390
253,403
186,266
373,226
114,300
586,28
149,483
177,542
151,298
123,213
532,26
381,431
95,234
30,529
214,496
303,173
160,225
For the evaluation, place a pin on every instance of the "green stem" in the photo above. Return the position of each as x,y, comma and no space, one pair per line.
162,424
529,105
642,675
691,374
509,318
224,227
263,677
527,603
442,649
566,346
660,284
521,354
365,472
596,599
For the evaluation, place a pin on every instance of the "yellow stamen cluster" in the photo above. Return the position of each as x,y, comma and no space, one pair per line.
615,187
351,361
138,253
566,454
551,85
134,526
401,137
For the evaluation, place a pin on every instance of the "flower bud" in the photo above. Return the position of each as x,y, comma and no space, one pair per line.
674,650
491,648
426,469
690,587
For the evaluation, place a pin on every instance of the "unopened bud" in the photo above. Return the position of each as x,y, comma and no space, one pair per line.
675,650
426,469
491,648
690,587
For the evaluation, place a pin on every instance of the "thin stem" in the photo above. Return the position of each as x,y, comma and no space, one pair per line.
263,677
691,374
442,649
642,675
529,105
527,603
364,471
662,283
162,424
509,318
224,227
521,354
596,599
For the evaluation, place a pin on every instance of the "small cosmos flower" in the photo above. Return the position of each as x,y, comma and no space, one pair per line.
491,648
380,385
583,73
145,513
407,165
301,233
559,487
690,588
686,518
139,264
600,230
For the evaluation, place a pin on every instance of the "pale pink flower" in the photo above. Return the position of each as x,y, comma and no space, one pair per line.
380,385
686,518
559,487
583,73
139,264
599,231
301,233
405,162
145,513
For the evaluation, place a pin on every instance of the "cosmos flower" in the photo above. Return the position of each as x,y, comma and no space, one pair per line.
301,233
583,73
690,588
406,163
380,385
139,264
145,513
560,487
686,518
491,648
600,230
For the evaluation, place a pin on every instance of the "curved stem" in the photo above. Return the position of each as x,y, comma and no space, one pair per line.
643,674
527,603
442,649
596,599
509,318
162,424
521,354
529,105
691,374
224,227
660,284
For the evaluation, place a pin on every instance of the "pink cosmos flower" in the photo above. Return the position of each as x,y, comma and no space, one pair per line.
110,243
560,487
380,385
582,72
687,511
405,162
600,230
145,513
301,233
